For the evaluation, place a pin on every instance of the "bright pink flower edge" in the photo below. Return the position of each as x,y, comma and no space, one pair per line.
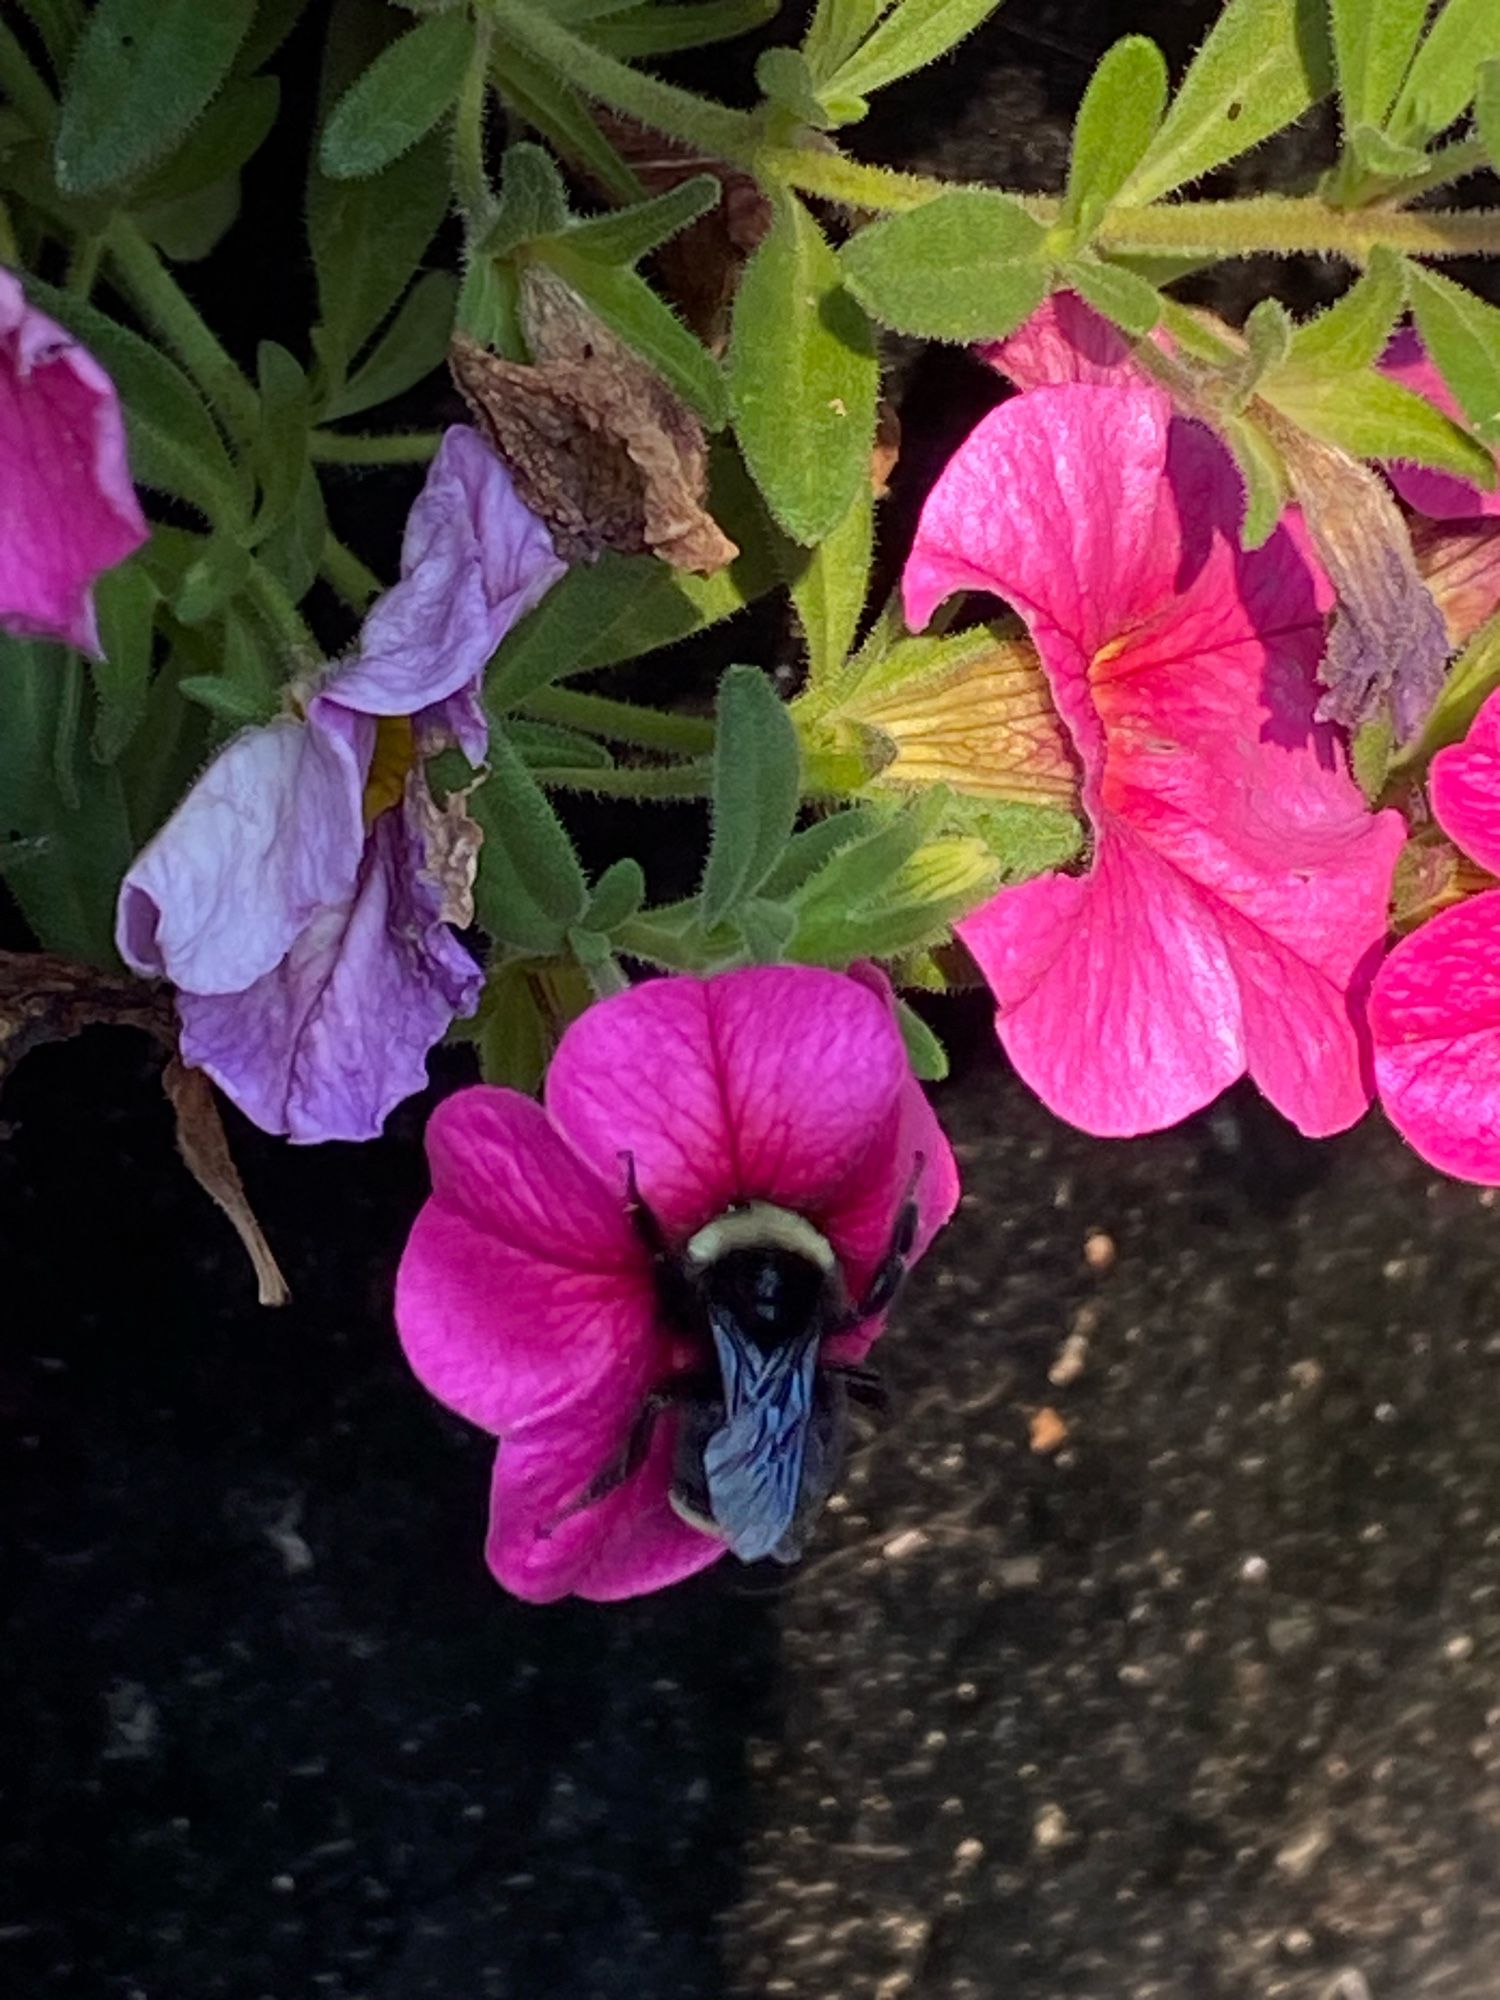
1435,1007
525,1299
1236,899
67,508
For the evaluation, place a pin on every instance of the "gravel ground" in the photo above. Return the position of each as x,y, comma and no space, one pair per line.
1151,1649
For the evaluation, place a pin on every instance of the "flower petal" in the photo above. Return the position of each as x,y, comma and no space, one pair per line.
67,507
1435,1019
1464,785
1237,872
329,1041
1440,495
523,1289
773,1083
1065,341
627,1544
270,835
474,560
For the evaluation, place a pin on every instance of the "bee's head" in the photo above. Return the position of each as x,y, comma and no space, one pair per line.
765,1270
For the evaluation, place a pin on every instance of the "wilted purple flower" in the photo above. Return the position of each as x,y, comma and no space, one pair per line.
67,507
301,896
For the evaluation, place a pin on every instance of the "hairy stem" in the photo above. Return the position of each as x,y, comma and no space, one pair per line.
622,721
470,181
1290,226
714,129
279,612
162,302
640,781
374,448
354,581
22,83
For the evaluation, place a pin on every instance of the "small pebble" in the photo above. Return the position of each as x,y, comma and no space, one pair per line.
1071,1361
1048,1431
1098,1250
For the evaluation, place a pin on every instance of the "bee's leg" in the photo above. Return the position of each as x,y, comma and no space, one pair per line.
672,1289
861,1385
674,1393
891,1269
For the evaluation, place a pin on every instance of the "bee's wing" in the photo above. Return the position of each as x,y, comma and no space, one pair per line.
754,1460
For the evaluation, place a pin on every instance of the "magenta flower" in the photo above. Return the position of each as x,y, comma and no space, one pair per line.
67,507
1237,890
1441,496
1435,1005
300,898
528,1301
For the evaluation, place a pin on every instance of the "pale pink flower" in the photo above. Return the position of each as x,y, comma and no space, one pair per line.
67,507
1236,894
1435,1005
526,1298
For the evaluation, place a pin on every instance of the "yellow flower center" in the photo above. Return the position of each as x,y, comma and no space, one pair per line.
395,754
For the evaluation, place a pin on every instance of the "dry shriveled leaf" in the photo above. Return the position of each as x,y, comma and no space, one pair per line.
45,998
205,1151
599,446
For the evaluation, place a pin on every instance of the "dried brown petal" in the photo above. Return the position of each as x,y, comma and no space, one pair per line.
598,444
1387,644
451,839
45,998
1460,564
205,1150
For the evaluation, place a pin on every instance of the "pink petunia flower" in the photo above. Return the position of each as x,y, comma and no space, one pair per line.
1435,1004
300,898
1237,891
1441,496
67,507
528,1300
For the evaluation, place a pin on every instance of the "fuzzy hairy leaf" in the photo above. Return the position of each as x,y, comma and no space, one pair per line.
967,266
1119,117
756,790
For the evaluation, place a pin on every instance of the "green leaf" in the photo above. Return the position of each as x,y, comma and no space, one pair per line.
905,909
829,591
143,73
1445,70
229,133
489,307
62,861
1026,840
191,227
836,31
280,454
967,266
688,24
1472,679
646,323
915,33
1263,64
211,580
1374,417
175,446
787,82
1124,298
533,201
618,894
803,377
399,99
58,23
293,552
1263,474
1462,333
756,792
556,110
367,239
1370,756
766,930
412,346
925,1053
509,1031
1268,337
530,887
808,852
1373,42
630,233
1353,332
1119,117
274,21
246,688
620,607
547,746
1375,152
126,599
1487,108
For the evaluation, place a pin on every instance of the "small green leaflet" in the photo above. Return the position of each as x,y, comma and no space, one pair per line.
1462,333
1119,117
967,266
829,590
756,792
1373,42
368,238
1445,70
1353,332
399,99
914,33
142,74
530,888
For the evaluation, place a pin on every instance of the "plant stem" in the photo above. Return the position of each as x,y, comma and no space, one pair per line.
640,781
279,612
163,303
622,721
714,129
470,181
1291,226
354,581
639,937
374,448
24,86
836,177
83,266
